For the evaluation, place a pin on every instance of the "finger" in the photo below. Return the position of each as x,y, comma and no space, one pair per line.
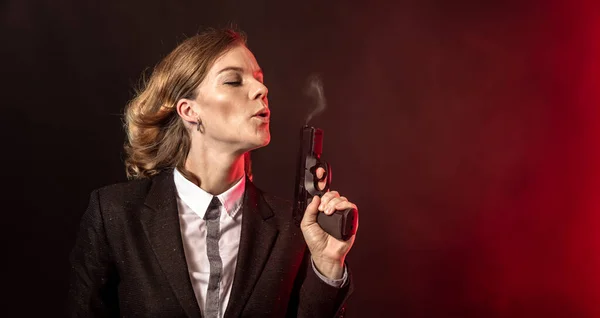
339,204
332,205
320,174
310,215
345,205
344,199
326,198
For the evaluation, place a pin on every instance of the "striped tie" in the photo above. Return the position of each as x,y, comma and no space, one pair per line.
212,305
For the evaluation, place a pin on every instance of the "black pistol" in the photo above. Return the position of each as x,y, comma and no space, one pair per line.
340,224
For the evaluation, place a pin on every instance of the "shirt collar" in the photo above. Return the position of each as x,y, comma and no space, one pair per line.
198,199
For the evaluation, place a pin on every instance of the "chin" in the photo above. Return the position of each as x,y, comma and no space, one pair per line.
265,136
260,140
268,141
265,140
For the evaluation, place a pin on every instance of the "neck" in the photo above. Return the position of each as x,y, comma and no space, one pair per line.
214,172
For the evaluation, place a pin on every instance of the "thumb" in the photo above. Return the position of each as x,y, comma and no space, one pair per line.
312,210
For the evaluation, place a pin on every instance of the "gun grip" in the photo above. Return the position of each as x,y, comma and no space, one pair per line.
341,224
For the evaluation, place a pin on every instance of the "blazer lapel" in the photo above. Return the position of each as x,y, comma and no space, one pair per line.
256,242
160,220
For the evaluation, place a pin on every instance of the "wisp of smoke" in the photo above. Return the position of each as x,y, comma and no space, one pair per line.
315,90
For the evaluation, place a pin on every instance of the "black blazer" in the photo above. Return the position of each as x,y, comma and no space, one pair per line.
128,259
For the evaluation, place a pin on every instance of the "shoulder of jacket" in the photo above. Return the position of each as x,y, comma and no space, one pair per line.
121,196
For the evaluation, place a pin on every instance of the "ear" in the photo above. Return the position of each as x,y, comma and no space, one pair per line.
186,108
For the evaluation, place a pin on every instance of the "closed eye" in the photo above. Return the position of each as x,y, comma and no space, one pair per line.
235,83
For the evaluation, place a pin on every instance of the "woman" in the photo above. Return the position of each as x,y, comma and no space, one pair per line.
191,235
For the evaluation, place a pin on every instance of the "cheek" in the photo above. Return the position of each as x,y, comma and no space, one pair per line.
228,110
222,107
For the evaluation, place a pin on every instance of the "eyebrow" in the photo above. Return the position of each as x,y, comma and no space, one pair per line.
238,69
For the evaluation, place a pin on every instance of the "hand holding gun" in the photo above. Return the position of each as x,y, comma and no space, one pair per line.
342,224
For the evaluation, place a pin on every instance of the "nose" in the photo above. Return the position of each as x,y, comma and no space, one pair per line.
260,92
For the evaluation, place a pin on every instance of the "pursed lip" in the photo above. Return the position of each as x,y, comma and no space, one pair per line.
264,113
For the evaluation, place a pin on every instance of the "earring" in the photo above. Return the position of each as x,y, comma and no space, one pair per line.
200,128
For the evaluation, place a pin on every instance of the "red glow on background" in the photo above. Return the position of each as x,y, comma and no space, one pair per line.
585,245
539,254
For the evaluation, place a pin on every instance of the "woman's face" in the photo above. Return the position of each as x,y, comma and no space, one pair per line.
232,102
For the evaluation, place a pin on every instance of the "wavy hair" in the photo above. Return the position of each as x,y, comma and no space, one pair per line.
157,138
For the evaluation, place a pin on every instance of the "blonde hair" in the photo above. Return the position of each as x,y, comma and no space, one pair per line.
157,138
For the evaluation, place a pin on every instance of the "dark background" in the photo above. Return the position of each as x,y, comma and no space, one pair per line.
466,131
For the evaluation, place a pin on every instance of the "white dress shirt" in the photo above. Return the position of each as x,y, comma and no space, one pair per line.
192,203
